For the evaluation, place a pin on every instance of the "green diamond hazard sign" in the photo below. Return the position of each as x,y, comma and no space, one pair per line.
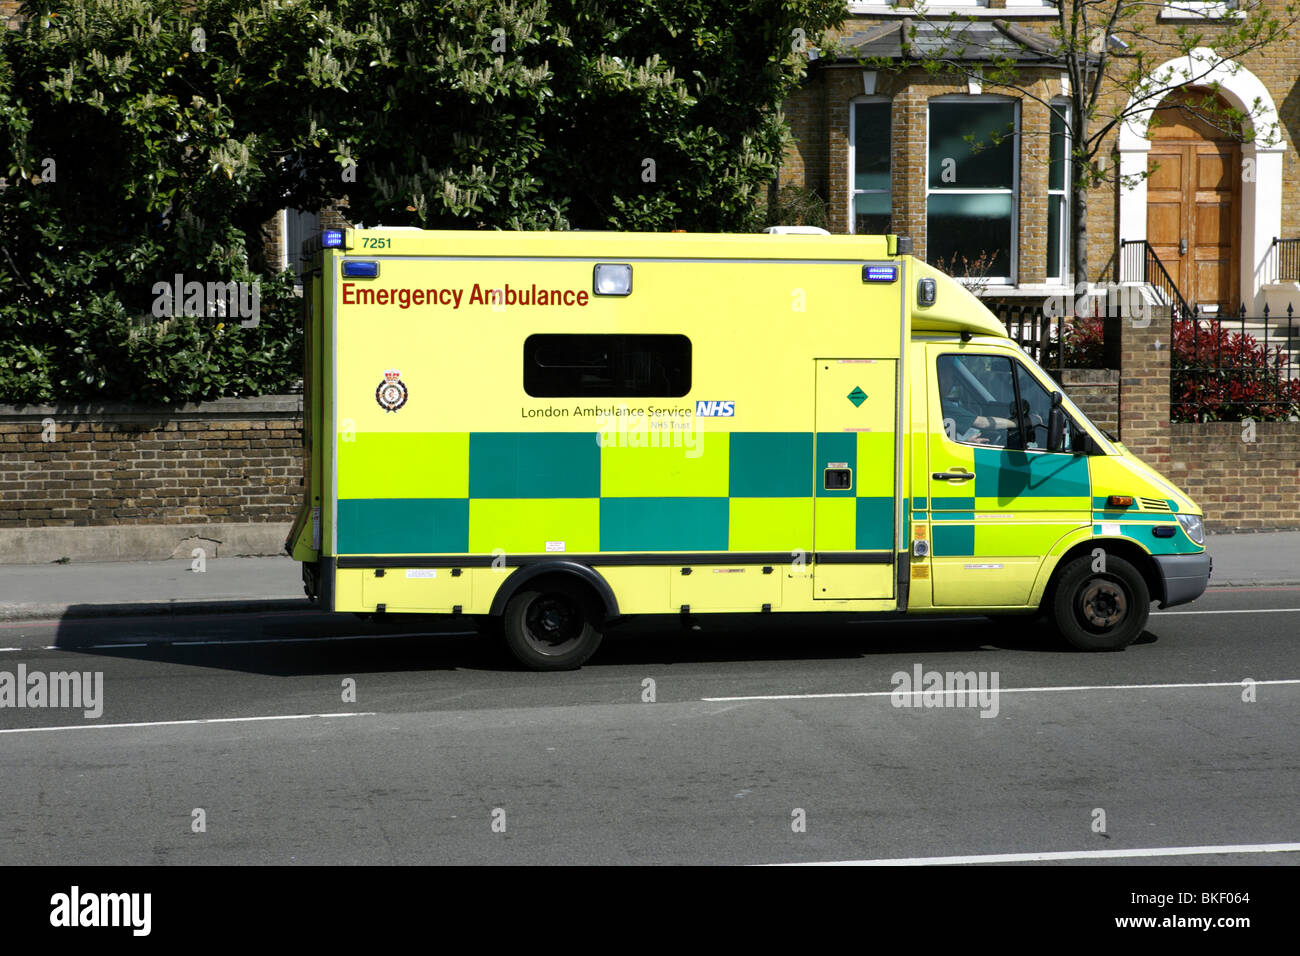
857,397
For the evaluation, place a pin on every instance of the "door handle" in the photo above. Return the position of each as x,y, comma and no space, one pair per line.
952,476
1182,247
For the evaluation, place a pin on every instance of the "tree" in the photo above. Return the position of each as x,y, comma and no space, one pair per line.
1109,51
179,127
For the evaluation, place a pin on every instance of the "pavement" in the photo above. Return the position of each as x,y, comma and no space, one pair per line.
230,585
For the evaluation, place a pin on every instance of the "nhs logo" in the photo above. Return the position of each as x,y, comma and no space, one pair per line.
715,409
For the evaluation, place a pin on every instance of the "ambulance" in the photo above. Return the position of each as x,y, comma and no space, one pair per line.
551,432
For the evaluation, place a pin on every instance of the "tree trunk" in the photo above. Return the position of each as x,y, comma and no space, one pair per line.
1079,228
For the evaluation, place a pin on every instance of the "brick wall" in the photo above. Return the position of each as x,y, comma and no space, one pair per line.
1241,485
1096,392
235,460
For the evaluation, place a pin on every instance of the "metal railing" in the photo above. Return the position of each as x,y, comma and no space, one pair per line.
1138,262
1036,333
1229,368
1286,260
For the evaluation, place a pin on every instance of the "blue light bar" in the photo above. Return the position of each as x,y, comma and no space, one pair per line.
879,273
356,269
331,239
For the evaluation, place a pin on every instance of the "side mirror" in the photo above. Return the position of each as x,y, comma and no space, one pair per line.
1056,424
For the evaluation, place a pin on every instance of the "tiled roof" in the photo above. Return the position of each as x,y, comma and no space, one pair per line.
962,40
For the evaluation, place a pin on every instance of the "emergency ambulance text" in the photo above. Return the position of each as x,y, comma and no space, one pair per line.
354,294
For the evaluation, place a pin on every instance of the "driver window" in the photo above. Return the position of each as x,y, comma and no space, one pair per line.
978,399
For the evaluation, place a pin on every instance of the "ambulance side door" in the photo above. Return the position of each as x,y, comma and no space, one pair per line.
999,499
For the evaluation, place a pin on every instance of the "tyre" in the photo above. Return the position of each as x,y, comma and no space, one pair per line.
552,627
1100,610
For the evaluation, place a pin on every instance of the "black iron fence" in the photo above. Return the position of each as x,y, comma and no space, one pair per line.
1058,342
1033,330
1222,366
1226,367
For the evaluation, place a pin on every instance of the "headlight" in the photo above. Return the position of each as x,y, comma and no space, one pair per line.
1194,527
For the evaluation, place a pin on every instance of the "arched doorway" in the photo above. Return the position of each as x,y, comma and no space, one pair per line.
1194,199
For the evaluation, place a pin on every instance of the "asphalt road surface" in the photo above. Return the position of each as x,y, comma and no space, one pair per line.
768,741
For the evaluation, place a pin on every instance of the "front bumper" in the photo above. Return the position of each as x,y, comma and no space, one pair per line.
1185,576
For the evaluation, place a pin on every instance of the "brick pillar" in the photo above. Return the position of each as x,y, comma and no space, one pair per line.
911,106
1144,388
1035,126
841,87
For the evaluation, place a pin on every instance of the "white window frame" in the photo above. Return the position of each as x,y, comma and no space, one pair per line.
1013,192
1200,10
1062,194
854,191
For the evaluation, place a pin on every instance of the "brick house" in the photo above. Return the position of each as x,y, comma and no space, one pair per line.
889,148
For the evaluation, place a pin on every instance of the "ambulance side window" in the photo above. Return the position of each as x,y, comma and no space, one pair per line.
609,365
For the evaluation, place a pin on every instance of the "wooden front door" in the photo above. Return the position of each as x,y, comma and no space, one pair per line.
1194,208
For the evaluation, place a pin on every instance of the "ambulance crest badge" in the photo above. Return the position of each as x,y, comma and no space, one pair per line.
391,393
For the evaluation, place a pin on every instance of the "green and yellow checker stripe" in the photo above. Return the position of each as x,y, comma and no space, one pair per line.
476,493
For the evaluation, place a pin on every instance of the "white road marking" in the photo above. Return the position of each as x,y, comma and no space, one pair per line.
1065,855
1000,690
1258,610
180,723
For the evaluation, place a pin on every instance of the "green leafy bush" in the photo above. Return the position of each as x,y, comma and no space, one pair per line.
140,139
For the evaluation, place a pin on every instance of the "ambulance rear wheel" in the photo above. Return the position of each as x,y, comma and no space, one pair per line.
1101,610
554,627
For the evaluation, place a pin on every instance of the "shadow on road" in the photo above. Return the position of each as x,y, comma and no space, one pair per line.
294,643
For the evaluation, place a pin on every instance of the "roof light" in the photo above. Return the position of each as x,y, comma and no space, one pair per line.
611,278
360,269
796,231
331,239
879,273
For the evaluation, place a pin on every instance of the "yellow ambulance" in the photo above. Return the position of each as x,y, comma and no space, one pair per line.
548,432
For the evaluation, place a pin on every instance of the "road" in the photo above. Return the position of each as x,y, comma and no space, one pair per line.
445,745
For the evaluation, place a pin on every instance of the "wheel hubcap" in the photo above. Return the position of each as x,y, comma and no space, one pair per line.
554,624
1103,604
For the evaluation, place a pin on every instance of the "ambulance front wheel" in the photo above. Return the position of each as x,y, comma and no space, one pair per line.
552,626
1100,610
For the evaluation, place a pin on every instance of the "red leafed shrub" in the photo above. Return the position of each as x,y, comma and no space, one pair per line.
1084,340
1220,375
